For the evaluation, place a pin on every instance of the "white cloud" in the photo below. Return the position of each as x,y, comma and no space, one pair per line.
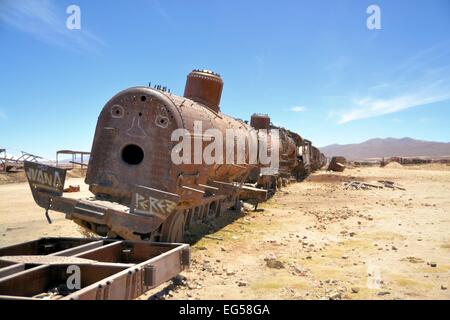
44,22
422,80
372,107
298,109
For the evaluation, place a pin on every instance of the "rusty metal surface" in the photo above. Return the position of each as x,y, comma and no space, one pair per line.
12,163
45,246
29,259
337,164
260,121
205,87
74,154
111,269
45,180
131,164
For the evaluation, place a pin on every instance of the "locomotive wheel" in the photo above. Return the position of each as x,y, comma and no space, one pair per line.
173,228
279,183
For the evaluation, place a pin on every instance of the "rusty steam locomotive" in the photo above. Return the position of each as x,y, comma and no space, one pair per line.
140,193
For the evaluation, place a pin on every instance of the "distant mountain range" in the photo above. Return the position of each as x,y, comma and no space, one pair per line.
389,147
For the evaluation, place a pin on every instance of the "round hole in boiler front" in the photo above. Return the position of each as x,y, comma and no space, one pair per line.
132,154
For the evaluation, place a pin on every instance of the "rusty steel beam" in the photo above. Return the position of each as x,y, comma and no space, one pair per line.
109,269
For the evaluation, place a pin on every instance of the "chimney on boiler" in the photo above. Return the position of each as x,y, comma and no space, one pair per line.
205,87
260,121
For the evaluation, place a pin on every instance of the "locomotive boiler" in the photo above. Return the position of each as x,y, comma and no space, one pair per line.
148,185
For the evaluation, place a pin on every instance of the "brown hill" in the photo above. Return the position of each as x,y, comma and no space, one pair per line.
389,147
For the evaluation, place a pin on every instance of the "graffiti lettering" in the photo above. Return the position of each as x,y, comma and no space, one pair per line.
45,178
153,205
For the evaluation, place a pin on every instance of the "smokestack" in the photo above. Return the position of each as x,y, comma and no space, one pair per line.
205,87
260,121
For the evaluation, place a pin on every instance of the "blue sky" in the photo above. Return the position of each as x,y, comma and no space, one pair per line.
313,66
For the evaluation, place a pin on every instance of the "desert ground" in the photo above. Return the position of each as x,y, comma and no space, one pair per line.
312,240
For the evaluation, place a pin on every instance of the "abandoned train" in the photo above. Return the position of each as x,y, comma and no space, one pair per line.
140,193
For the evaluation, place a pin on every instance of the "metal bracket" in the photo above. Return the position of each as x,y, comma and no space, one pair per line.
150,276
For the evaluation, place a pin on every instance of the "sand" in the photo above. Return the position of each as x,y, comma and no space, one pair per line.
313,240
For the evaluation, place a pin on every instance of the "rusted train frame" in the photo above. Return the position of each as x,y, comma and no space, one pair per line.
140,193
108,269
94,215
